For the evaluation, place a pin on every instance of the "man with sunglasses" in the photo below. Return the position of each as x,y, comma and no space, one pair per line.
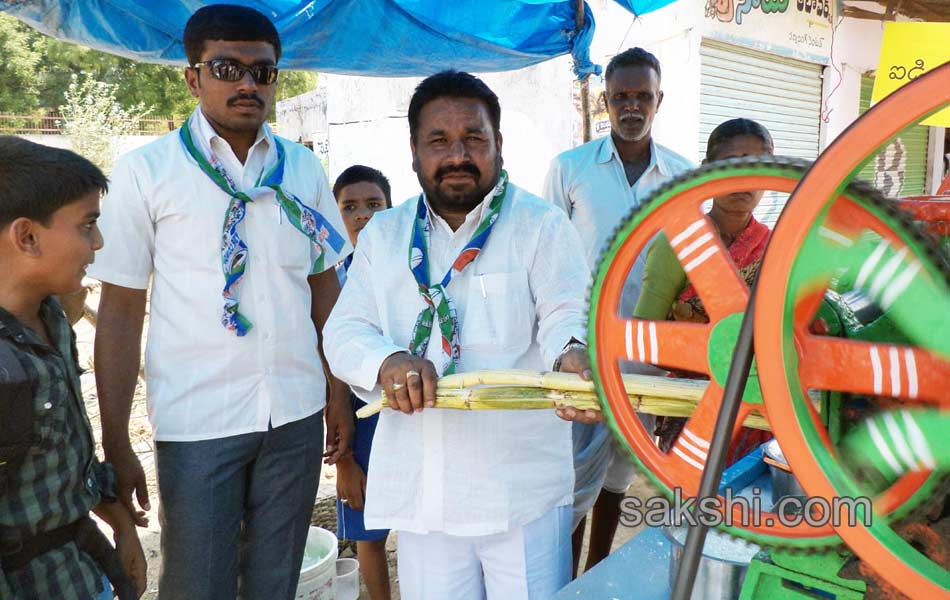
235,232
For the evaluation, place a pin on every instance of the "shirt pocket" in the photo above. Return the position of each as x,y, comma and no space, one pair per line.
271,236
50,415
499,313
293,247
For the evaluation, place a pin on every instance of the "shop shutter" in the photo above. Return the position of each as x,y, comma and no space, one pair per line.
901,168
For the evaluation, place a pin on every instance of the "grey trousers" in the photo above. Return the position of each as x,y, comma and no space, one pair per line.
235,512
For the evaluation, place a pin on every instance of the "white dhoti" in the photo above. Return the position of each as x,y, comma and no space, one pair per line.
531,562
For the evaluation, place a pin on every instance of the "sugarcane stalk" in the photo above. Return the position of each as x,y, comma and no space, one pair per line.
524,390
645,385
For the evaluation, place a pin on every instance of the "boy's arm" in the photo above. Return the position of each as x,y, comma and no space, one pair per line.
117,353
126,542
350,483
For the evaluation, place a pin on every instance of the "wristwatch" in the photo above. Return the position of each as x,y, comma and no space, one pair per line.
574,343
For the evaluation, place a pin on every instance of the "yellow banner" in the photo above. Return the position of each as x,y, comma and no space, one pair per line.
908,51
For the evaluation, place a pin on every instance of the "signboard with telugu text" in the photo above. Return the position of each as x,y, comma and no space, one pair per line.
908,51
800,29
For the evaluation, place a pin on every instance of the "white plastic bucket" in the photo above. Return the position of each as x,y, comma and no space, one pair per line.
318,571
347,579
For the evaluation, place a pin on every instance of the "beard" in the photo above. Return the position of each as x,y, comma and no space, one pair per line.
632,134
443,196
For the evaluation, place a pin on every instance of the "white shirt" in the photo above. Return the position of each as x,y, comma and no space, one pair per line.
163,219
521,301
590,184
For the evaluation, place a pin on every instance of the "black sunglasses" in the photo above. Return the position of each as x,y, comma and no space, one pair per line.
226,69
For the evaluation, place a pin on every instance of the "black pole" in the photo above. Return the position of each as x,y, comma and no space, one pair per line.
718,450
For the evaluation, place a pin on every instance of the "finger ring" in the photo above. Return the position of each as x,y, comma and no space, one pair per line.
412,374
398,386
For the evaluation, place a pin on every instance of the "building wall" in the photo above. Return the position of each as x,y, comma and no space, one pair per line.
857,46
673,34
367,123
860,41
303,119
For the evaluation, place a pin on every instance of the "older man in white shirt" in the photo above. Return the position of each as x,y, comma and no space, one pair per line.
474,273
598,185
236,233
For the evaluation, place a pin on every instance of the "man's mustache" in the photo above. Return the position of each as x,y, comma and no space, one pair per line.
463,168
239,97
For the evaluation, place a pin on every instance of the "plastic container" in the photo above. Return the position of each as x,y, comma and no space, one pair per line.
722,567
347,579
318,571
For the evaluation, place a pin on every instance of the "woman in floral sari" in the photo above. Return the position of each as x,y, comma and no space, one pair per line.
666,292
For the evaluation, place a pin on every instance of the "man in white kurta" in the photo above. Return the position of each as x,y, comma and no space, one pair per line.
481,499
236,384
598,185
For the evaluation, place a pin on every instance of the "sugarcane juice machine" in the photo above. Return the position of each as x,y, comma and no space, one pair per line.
842,344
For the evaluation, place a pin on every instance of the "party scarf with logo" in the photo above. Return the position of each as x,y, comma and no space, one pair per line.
438,303
234,251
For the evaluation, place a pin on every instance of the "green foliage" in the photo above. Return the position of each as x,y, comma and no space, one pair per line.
95,122
17,69
37,71
161,87
294,83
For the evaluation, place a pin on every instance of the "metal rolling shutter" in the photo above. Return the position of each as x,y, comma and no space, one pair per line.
782,94
901,168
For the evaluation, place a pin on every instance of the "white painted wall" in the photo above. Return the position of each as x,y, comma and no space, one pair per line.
673,34
367,123
304,117
857,45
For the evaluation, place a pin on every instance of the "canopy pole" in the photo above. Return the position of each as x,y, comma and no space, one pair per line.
579,8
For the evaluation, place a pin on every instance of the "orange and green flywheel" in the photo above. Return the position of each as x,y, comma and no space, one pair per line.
676,210
821,243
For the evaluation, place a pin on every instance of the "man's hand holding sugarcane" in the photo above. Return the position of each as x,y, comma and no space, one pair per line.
409,382
574,359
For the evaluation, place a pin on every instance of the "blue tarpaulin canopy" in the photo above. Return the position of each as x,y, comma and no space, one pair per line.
361,37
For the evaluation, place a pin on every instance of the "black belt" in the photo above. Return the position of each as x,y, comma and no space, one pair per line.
88,538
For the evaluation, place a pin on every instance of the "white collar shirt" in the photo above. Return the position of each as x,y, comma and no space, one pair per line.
590,185
518,304
162,224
